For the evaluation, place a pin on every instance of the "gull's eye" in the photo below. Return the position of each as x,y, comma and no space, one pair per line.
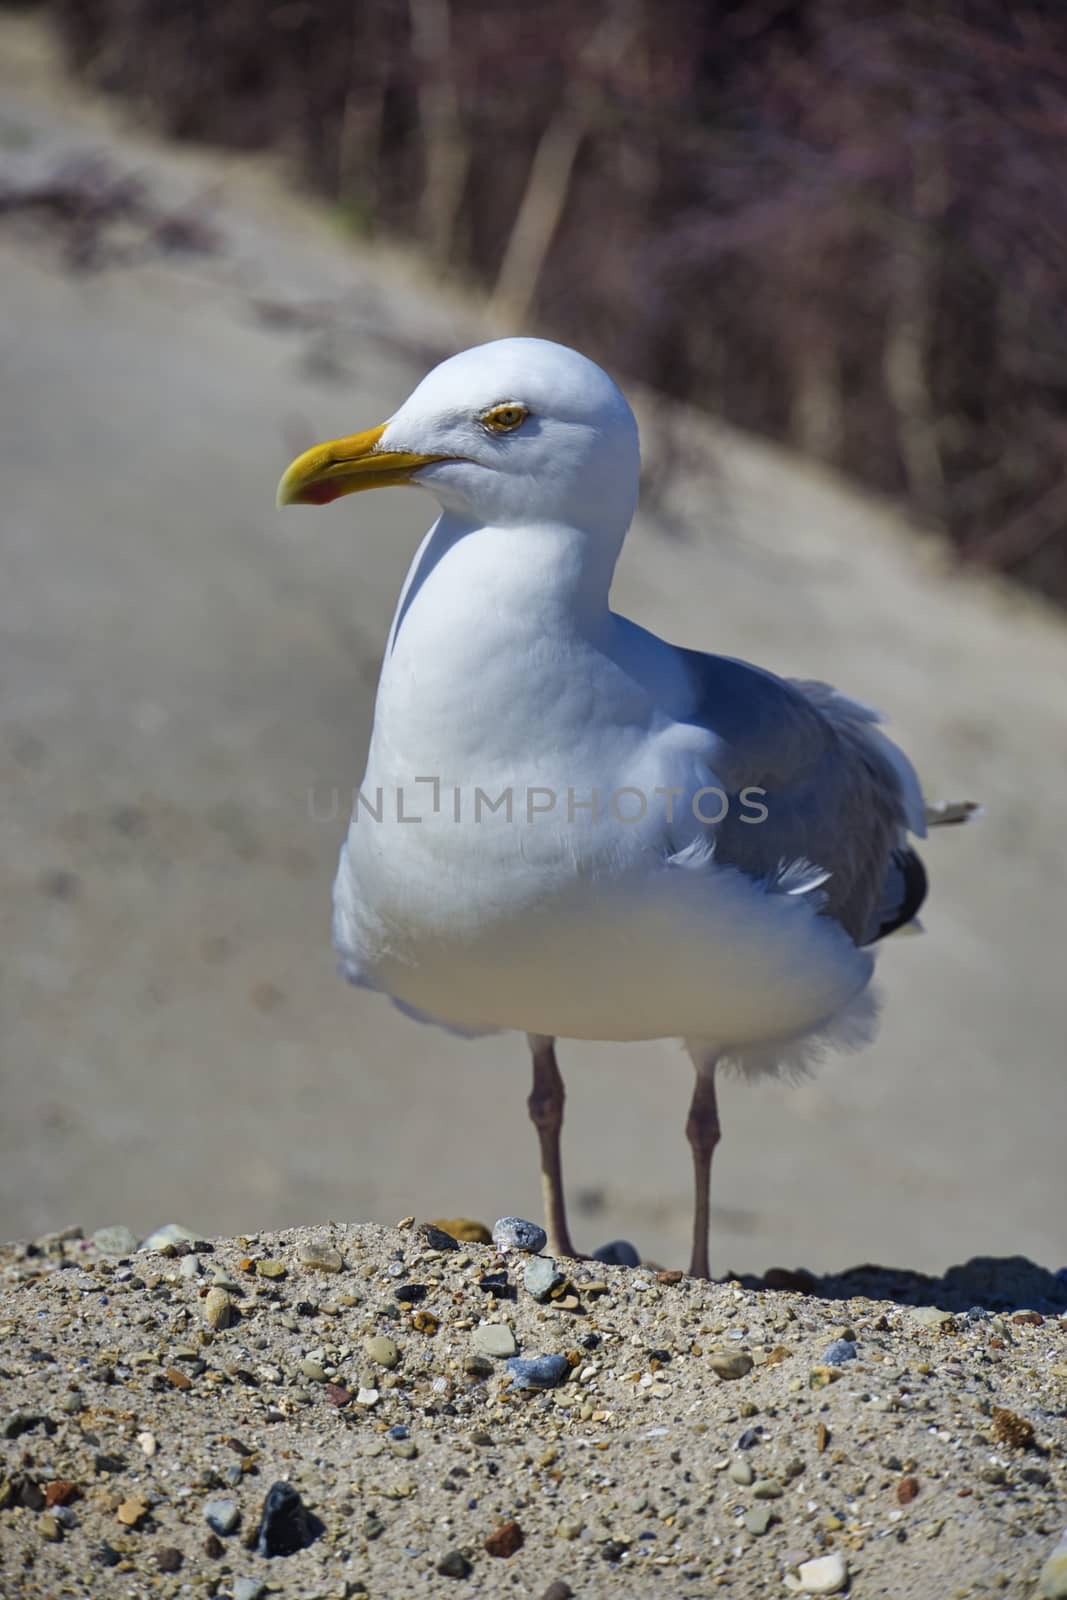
505,418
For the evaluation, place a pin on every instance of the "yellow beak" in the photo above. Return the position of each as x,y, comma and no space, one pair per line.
344,466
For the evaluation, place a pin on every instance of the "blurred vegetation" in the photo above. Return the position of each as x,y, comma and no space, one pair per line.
840,223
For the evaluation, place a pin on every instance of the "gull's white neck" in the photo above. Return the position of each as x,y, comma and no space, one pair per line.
539,578
493,630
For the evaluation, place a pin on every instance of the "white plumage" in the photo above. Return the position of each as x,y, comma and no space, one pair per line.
569,826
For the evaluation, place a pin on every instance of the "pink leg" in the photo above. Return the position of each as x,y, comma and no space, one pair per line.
702,1130
545,1106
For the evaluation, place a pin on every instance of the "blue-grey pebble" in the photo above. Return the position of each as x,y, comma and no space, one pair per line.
514,1233
541,1277
538,1372
221,1516
837,1353
247,1589
618,1253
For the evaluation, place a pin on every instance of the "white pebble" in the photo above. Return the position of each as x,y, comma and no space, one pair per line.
824,1575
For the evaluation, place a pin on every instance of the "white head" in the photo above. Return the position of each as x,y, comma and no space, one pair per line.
520,431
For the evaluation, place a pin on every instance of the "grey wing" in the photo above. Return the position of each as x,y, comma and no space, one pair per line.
839,796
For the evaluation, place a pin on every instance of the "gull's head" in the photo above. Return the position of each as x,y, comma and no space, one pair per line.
517,431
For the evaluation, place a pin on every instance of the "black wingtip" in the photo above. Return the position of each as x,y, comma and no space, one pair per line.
913,875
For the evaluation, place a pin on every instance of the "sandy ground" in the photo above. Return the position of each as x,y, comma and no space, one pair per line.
695,1439
187,684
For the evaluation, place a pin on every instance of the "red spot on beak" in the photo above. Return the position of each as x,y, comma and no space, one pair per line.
320,494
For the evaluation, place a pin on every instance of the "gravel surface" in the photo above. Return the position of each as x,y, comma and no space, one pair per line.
320,1414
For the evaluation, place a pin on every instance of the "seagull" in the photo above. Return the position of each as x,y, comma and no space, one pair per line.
570,827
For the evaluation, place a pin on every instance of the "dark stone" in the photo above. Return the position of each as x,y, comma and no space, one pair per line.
497,1283
613,1550
454,1565
558,1590
168,1559
617,1253
105,1555
286,1525
437,1238
409,1293
20,1422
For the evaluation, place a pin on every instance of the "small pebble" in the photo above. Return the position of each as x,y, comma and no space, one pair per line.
170,1233
221,1516
505,1540
617,1253
767,1489
247,1588
558,1590
319,1256
131,1511
758,1519
50,1528
219,1309
730,1364
538,1372
824,1574
286,1525
437,1238
270,1269
494,1339
382,1350
924,1317
189,1267
837,1353
169,1559
541,1276
740,1472
1052,1585
513,1233
464,1228
116,1241
454,1565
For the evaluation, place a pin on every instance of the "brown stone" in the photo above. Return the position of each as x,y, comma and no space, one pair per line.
464,1228
505,1540
131,1511
1008,1428
907,1489
60,1492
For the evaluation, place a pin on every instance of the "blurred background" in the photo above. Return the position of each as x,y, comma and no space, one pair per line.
824,244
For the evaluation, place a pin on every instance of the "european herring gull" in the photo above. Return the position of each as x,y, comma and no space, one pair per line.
567,825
